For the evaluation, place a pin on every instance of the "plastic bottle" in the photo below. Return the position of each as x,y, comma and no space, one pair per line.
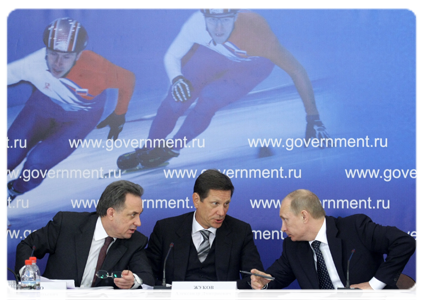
37,272
28,278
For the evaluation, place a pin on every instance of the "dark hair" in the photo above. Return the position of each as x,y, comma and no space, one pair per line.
212,180
115,194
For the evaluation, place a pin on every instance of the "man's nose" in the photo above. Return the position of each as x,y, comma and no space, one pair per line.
58,60
221,211
138,221
219,25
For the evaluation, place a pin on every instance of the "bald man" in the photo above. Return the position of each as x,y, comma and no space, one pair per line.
318,247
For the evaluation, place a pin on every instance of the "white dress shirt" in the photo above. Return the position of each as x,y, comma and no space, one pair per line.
97,243
197,237
330,265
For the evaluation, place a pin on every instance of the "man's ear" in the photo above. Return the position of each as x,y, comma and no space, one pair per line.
305,216
110,213
196,199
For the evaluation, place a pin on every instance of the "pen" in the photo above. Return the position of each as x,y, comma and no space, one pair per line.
249,273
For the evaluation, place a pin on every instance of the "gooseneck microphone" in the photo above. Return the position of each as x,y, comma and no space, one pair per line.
163,286
164,265
33,249
347,292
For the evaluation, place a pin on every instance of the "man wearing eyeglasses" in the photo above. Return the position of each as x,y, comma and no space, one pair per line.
218,57
102,248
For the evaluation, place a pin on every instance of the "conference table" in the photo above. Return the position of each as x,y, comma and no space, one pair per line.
272,295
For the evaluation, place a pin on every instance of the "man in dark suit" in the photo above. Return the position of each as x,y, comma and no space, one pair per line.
77,242
208,245
318,247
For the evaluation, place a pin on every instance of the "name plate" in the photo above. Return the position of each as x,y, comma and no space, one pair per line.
16,297
53,290
204,290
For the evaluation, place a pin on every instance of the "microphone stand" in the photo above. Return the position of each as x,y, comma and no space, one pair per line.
347,292
163,286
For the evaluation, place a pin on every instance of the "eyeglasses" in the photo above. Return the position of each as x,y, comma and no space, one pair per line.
102,274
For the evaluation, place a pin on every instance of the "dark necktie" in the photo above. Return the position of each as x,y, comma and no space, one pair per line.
102,256
204,248
322,271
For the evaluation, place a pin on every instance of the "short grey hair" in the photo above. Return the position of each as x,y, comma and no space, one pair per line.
306,200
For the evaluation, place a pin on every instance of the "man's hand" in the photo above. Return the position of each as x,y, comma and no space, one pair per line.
316,129
361,286
116,125
126,281
258,282
181,89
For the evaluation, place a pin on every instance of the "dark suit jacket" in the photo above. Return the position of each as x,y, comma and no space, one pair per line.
67,239
234,248
370,241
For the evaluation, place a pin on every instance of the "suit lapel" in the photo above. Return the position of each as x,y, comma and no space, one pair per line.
83,242
335,246
181,249
223,244
115,253
305,257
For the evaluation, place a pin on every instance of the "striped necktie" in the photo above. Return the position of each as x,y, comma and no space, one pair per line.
204,248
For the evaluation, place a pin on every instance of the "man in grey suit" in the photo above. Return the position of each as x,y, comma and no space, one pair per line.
208,245
319,249
80,244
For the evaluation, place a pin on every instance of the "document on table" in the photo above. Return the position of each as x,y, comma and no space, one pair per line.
306,295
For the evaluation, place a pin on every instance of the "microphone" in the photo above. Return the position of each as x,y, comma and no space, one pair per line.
163,286
347,292
33,249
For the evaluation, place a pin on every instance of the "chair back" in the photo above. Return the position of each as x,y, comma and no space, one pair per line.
405,282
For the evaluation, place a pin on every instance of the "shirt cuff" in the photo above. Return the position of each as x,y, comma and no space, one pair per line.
137,281
376,284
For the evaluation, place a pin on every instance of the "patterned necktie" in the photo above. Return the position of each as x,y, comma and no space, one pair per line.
322,271
204,248
102,256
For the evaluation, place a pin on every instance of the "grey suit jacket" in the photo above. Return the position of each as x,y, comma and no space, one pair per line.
370,241
234,249
67,240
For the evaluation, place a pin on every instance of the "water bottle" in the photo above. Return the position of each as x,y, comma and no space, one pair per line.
28,278
37,272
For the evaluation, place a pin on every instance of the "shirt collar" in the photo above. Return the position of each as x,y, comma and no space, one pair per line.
321,235
99,232
197,227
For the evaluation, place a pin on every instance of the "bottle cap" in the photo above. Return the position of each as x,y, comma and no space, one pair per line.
33,258
28,262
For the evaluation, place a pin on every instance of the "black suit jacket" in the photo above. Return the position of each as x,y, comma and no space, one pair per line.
370,241
234,249
67,239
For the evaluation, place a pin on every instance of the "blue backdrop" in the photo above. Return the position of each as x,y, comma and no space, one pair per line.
362,64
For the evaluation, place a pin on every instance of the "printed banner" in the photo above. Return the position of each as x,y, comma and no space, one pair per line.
323,100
